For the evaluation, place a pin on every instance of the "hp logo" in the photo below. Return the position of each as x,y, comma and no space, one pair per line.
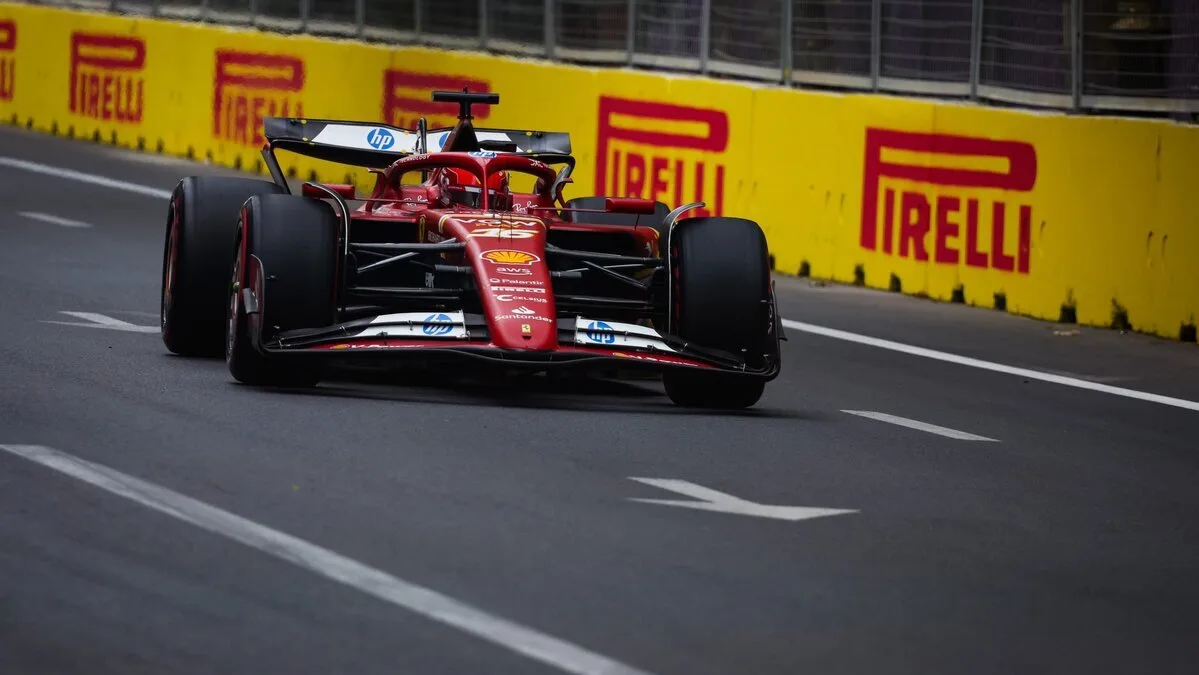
380,139
600,332
438,324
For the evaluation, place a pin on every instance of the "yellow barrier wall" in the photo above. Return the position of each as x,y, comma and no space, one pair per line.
1045,210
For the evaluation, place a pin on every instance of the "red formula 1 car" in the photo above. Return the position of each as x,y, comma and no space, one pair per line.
464,253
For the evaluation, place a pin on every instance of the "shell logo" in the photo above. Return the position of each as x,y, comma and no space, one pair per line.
508,257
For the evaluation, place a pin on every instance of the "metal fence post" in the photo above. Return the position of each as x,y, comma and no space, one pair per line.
483,23
360,15
631,38
305,12
786,34
551,32
417,19
976,48
705,35
1076,60
876,43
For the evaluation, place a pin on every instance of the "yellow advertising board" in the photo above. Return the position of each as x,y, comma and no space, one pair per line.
1045,215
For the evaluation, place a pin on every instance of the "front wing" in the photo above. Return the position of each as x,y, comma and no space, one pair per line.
582,342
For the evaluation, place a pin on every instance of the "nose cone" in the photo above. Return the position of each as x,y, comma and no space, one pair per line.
514,285
507,252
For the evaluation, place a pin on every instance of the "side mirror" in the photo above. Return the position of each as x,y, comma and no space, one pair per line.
632,205
345,191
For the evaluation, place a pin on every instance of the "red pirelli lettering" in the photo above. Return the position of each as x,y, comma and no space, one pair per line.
656,172
105,80
249,86
8,64
922,214
406,98
8,35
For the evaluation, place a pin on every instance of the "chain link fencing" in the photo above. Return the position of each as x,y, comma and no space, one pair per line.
1088,56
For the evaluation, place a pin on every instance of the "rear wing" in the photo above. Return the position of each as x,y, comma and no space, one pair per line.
376,146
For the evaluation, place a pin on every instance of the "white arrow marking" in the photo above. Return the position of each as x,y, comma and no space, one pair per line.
101,321
711,500
52,219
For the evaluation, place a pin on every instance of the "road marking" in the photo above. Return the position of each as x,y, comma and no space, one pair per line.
712,500
789,323
82,177
922,426
990,365
100,321
528,642
52,219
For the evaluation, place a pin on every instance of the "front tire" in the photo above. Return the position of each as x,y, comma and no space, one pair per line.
721,291
287,256
201,223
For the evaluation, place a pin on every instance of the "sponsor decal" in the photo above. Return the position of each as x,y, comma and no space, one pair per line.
662,151
430,280
600,333
438,324
406,99
934,209
523,310
482,153
501,233
509,257
380,138
8,59
518,282
526,329
518,289
250,86
496,221
514,271
655,359
504,297
106,81
522,317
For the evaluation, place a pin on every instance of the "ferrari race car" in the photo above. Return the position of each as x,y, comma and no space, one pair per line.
465,254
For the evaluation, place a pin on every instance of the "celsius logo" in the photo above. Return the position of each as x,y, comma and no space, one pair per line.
438,324
380,139
598,331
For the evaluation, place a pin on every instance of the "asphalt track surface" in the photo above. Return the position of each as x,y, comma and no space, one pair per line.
1067,544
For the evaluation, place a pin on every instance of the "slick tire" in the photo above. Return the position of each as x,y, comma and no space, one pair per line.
295,240
201,223
719,292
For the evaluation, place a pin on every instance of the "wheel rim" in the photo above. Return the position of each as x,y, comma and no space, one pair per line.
234,304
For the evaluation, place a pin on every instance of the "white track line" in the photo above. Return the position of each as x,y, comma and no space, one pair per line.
921,426
52,219
538,646
92,178
789,323
989,365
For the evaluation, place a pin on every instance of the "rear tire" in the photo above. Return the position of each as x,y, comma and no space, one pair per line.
295,238
201,223
720,290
